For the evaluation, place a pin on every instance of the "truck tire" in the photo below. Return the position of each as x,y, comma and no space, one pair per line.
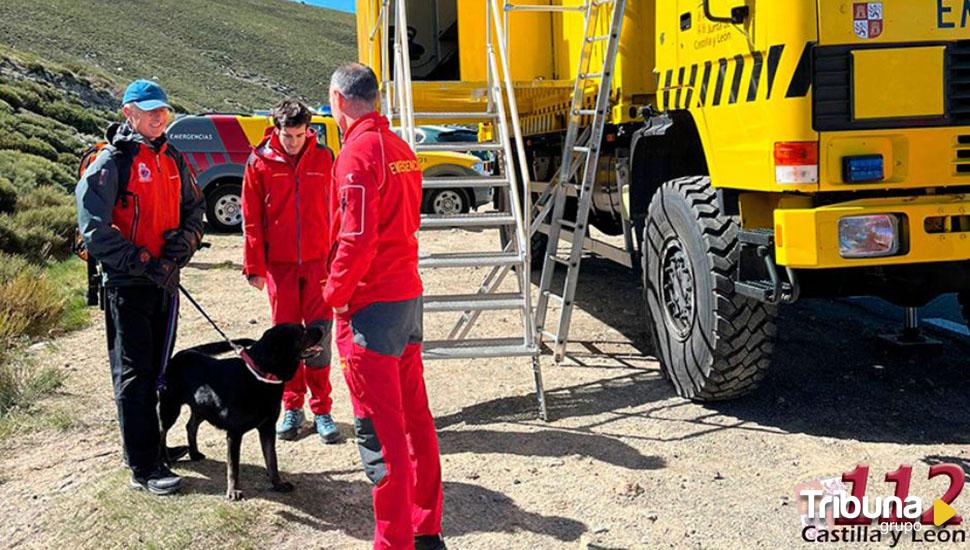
712,344
223,208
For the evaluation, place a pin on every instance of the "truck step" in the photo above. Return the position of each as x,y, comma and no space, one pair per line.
757,237
758,290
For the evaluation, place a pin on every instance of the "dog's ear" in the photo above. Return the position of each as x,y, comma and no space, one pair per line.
311,337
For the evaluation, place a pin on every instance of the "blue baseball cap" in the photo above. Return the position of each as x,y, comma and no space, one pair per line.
146,95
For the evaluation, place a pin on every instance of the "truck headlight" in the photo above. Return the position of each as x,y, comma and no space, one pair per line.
869,236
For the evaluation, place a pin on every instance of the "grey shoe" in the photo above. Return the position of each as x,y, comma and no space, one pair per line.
160,481
326,428
289,428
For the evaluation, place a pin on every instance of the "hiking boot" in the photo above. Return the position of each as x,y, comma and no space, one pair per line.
159,481
326,428
429,542
289,428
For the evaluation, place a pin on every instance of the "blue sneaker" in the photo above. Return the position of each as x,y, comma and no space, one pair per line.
289,428
326,428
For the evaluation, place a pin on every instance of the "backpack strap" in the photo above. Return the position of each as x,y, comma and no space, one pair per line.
122,158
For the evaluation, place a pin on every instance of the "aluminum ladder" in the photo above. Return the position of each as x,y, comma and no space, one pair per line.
577,173
501,111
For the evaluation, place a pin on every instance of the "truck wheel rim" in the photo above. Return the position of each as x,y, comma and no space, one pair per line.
447,203
677,290
229,210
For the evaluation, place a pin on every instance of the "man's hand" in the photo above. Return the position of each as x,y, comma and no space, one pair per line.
164,273
180,245
256,281
341,310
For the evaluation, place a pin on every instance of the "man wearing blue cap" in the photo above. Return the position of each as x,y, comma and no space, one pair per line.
140,214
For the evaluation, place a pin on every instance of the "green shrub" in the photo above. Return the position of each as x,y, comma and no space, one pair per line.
6,107
8,196
28,171
70,160
84,120
11,265
30,306
10,241
45,196
49,239
11,96
39,147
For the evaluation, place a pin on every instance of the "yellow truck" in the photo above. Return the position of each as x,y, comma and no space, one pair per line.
762,150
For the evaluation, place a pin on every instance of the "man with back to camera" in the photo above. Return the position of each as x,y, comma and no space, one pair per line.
375,289
284,202
140,215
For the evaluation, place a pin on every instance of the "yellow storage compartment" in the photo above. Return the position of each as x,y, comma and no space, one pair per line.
544,50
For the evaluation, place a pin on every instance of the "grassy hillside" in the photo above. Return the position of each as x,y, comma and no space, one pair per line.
48,115
63,66
209,54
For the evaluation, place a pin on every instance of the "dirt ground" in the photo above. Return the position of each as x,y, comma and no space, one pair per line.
623,463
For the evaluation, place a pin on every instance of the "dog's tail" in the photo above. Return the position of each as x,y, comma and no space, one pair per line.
215,348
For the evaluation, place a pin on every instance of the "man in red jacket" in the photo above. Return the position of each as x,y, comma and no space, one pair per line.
375,289
284,202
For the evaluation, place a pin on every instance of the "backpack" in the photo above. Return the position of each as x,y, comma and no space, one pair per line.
123,163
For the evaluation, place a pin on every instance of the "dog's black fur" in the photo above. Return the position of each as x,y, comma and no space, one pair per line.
224,393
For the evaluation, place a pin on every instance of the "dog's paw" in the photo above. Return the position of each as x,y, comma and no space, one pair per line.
234,495
283,487
196,456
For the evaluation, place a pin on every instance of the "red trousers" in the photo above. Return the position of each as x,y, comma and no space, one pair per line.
296,296
380,353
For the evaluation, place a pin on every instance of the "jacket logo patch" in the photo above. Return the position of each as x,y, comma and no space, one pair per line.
144,174
352,204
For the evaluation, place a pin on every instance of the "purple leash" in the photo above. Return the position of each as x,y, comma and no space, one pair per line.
170,328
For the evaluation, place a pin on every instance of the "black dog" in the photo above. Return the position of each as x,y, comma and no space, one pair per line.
237,394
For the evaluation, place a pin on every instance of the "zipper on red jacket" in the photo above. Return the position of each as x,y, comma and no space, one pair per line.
134,219
299,248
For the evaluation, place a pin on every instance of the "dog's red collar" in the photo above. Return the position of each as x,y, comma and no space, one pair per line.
266,377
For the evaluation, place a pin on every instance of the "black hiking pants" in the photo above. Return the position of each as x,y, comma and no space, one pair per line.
141,324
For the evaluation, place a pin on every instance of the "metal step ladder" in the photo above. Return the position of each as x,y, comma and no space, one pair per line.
577,174
501,111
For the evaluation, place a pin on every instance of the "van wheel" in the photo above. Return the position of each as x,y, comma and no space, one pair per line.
712,343
446,202
224,208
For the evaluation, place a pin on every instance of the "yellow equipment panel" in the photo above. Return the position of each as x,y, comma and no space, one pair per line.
897,82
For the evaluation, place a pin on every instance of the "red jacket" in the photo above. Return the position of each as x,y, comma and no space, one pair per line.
375,203
285,206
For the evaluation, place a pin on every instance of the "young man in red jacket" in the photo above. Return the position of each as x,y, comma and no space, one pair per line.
284,202
375,289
